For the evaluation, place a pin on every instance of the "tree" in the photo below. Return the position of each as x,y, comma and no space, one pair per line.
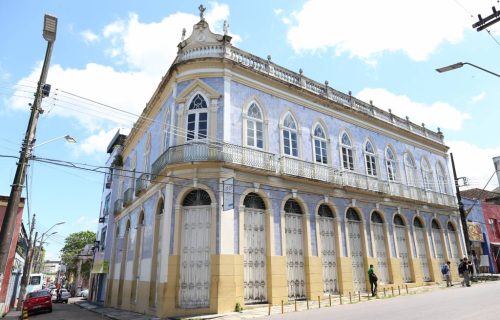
73,245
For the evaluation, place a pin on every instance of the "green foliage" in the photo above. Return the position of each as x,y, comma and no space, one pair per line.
73,245
238,307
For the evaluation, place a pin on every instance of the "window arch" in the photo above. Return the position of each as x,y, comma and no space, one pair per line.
197,197
197,120
292,206
427,174
147,154
418,223
391,164
320,143
410,169
398,220
442,179
254,201
255,127
325,211
289,132
352,215
371,165
347,152
164,131
376,217
451,227
435,224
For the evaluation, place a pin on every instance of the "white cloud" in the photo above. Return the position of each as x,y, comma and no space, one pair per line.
437,114
475,163
89,37
98,142
478,98
278,11
366,29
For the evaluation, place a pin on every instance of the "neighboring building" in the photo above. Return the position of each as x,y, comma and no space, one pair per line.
51,268
8,282
490,207
244,182
102,253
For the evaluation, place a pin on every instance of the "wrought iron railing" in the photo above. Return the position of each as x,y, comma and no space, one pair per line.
128,197
141,183
118,206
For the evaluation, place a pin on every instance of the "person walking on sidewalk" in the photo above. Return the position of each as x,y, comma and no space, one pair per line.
373,280
466,271
447,273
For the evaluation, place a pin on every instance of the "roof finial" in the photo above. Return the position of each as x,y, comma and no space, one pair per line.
225,27
202,10
183,34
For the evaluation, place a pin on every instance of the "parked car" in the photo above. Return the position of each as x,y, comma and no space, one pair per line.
84,293
65,295
38,301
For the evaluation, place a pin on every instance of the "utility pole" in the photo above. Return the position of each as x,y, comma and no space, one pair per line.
465,229
7,230
27,266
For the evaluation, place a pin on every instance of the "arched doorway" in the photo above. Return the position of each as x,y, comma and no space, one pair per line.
453,238
254,250
379,239
155,266
294,233
402,241
123,263
194,277
356,250
328,248
438,242
422,248
137,258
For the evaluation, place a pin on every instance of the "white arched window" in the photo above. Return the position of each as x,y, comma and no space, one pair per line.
442,179
290,144
164,131
410,169
197,120
320,153
391,165
255,125
371,165
147,154
347,153
427,174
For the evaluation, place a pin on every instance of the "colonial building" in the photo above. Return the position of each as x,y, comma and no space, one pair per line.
245,182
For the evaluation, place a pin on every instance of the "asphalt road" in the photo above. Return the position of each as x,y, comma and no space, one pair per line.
478,302
63,311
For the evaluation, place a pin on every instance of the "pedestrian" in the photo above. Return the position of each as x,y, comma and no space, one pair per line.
58,295
467,271
447,273
461,269
373,280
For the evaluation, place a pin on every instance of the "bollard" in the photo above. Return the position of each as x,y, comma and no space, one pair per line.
350,297
269,310
384,292
330,298
392,289
340,298
25,313
319,303
359,296
307,304
295,305
399,290
281,306
406,288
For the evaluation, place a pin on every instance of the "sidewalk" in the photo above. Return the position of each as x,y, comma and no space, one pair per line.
112,313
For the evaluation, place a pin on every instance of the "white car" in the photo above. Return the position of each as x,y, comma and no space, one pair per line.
84,293
65,295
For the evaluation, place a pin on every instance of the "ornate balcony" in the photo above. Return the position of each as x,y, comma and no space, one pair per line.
128,197
118,206
141,183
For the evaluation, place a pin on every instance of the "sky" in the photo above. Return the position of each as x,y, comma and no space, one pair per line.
113,54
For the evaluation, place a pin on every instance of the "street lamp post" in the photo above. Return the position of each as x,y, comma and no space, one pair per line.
38,264
460,65
67,137
7,230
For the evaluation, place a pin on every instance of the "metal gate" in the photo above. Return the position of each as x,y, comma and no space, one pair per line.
356,252
254,256
380,252
295,256
438,243
195,258
403,253
422,253
327,236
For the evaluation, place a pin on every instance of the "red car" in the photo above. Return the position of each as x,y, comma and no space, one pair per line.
38,301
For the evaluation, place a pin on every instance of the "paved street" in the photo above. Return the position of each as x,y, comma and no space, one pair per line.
68,311
477,302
